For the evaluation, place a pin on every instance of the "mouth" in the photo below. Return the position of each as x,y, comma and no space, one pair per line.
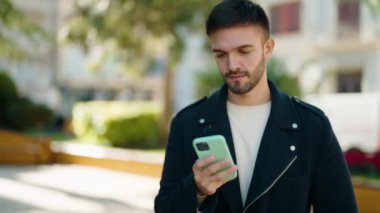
235,76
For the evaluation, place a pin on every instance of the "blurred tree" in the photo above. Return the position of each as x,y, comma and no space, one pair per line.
134,33
8,94
279,74
16,112
14,25
210,80
374,7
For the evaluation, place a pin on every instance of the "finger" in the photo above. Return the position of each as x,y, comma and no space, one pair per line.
201,178
209,184
222,175
214,168
200,164
207,175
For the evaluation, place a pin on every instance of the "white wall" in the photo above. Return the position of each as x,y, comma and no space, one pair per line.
194,59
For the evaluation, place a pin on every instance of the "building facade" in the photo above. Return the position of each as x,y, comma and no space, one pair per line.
333,45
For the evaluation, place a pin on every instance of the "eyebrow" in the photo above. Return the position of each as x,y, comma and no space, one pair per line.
239,47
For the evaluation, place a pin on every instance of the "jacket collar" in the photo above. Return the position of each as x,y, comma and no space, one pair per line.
283,118
282,109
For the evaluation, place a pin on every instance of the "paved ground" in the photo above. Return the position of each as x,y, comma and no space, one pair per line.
74,188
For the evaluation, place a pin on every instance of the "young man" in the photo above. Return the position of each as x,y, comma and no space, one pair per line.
284,150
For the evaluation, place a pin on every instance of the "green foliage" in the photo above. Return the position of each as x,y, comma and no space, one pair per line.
373,5
210,80
22,114
19,113
279,74
119,124
8,93
8,90
132,31
42,115
12,23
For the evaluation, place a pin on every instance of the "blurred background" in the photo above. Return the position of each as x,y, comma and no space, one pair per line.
88,88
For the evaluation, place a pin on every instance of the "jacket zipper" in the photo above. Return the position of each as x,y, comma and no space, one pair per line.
274,182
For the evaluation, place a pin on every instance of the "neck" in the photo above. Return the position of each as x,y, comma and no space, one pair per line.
257,96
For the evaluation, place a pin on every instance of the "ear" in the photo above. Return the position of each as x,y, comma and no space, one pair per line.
268,48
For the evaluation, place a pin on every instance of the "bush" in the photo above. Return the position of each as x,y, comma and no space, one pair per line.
18,113
358,162
8,90
8,93
22,114
42,115
376,161
119,124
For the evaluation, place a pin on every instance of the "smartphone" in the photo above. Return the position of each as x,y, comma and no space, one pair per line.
214,145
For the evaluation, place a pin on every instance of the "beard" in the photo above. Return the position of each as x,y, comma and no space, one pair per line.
241,88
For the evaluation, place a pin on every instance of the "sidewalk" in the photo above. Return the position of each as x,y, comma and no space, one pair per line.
74,188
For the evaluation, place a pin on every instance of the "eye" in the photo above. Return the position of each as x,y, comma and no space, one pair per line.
219,54
243,51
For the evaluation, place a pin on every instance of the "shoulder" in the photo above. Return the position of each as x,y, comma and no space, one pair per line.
194,107
307,108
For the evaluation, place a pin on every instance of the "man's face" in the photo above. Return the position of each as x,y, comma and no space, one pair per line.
240,54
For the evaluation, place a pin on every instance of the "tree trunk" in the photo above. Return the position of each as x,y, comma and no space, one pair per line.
168,102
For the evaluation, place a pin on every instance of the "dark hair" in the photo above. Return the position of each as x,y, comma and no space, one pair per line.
229,13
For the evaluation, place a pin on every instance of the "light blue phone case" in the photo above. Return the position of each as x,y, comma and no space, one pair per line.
217,147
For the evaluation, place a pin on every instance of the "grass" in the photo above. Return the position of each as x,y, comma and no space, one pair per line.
371,175
70,138
374,176
54,135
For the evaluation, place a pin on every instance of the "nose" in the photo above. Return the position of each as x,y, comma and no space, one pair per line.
233,63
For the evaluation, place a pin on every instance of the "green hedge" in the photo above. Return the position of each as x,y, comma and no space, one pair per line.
119,124
8,90
18,113
8,93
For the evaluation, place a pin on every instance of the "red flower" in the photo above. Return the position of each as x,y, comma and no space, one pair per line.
376,160
356,157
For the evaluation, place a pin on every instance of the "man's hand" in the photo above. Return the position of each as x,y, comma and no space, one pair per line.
208,179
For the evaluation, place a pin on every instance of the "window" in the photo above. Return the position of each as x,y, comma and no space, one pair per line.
285,18
348,18
349,82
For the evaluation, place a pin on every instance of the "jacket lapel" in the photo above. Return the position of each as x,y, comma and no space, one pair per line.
217,122
275,154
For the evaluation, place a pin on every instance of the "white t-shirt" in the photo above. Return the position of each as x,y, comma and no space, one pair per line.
247,125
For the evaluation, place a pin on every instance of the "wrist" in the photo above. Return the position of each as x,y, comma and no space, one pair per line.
201,194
